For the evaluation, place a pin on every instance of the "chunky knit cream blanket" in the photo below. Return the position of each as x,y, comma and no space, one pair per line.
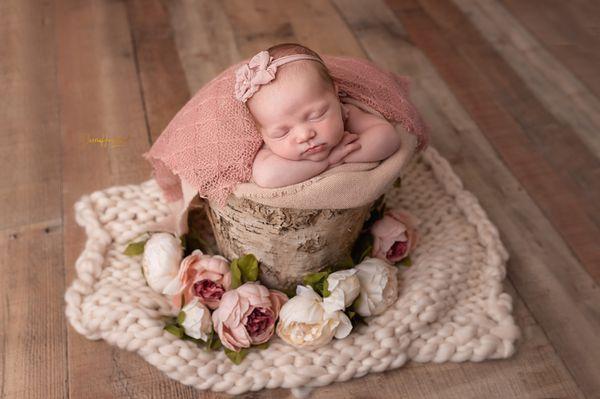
451,305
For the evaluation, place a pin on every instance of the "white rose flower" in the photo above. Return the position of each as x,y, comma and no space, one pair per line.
162,256
197,322
304,322
378,286
344,288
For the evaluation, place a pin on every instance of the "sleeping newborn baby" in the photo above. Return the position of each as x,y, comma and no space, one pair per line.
305,128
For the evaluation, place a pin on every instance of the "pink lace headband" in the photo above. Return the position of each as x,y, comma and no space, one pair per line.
260,71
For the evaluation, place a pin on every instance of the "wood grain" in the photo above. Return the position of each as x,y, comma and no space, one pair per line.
204,39
542,268
32,321
29,139
161,79
100,97
569,30
33,328
476,74
554,86
258,24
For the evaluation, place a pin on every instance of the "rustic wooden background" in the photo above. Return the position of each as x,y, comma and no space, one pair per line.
510,89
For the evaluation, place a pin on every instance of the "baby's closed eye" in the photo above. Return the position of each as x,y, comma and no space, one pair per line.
319,114
280,133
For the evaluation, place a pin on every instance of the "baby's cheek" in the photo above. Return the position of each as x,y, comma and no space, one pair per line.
337,129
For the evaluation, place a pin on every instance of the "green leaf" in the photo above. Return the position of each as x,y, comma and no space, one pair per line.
236,357
405,262
326,292
290,292
181,317
236,274
182,301
248,265
262,346
135,248
182,241
175,330
215,344
317,281
346,263
198,341
314,278
169,320
210,340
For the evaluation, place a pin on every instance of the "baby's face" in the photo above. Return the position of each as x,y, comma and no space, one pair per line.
299,117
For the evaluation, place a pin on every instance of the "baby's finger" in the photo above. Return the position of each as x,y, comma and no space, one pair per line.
354,146
350,137
351,148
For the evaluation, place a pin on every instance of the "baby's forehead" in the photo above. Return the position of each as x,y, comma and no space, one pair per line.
306,72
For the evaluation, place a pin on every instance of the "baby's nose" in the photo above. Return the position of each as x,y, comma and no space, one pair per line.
306,134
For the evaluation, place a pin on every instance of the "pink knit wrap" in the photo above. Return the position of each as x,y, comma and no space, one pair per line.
212,141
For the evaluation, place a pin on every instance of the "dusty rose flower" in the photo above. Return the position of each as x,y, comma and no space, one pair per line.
394,236
200,276
247,315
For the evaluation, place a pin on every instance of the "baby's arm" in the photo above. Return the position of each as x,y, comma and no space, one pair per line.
272,171
377,137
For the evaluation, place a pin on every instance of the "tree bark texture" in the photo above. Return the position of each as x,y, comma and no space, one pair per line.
288,243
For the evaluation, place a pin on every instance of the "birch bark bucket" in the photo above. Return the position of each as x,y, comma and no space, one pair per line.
288,243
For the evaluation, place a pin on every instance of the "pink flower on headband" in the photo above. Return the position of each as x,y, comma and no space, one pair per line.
249,77
260,71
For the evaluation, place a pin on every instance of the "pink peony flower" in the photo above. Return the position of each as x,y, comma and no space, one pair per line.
200,276
394,236
247,315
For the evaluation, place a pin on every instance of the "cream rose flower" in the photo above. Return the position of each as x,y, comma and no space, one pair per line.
378,286
247,315
344,287
304,322
200,276
394,236
197,322
160,262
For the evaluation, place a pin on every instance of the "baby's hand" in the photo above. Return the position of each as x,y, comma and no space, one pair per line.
345,147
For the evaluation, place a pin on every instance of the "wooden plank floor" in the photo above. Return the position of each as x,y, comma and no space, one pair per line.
510,90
